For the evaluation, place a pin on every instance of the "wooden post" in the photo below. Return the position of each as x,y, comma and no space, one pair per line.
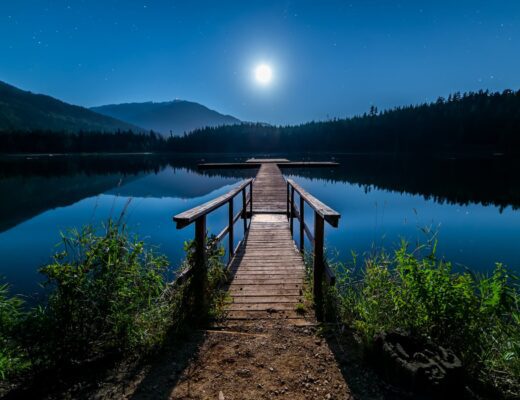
302,224
292,211
319,234
231,239
199,280
244,209
288,199
250,201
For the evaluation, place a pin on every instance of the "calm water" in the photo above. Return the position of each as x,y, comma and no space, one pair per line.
471,205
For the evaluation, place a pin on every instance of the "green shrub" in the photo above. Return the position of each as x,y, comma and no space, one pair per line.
12,357
215,275
107,294
476,316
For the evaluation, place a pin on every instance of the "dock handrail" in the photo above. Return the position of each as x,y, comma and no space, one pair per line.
198,215
322,213
187,217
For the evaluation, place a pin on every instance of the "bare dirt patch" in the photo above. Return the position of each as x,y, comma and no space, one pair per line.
256,360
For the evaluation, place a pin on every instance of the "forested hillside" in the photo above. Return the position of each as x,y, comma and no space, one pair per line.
472,123
25,111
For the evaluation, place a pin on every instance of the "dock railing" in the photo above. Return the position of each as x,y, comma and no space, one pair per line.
198,215
322,213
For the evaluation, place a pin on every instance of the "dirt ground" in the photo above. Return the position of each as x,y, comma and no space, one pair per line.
257,363
259,360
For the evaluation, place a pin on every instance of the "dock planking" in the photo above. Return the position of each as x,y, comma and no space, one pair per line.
269,190
268,272
267,269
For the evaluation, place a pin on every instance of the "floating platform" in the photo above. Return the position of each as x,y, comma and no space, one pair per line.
267,160
281,162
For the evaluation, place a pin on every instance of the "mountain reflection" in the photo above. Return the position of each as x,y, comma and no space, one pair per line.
30,186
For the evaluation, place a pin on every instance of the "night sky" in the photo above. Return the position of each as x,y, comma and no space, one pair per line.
328,58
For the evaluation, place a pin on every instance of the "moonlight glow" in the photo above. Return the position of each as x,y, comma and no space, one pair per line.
263,74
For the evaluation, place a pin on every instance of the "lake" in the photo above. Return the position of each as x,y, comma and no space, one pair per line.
472,206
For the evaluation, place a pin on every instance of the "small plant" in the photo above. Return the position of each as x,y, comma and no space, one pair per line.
13,358
210,303
300,309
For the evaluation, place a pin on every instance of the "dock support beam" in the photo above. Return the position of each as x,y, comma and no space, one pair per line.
319,233
292,211
231,237
302,224
200,273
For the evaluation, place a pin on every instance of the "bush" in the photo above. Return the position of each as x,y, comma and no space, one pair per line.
476,316
213,296
12,360
107,294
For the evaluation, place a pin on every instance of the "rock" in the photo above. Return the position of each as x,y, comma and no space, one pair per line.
244,373
221,396
416,364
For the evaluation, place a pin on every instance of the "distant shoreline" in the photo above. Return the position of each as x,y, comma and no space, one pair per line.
445,156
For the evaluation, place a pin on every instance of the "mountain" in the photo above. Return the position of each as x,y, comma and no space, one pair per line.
26,111
178,116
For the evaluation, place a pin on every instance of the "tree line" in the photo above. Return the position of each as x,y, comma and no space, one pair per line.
475,122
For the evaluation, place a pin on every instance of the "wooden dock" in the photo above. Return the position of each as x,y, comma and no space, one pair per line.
266,268
269,190
267,271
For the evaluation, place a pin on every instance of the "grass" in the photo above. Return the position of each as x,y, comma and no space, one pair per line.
300,309
477,316
12,357
107,295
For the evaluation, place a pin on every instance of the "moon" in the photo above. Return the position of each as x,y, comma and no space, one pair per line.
263,74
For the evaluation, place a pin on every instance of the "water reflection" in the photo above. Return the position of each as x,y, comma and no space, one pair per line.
380,198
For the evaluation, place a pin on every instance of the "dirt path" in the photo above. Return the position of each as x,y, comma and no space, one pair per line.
259,361
256,361
263,363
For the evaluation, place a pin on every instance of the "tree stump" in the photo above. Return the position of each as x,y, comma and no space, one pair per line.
418,365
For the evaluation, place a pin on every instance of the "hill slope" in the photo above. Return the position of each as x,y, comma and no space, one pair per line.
178,116
26,111
471,123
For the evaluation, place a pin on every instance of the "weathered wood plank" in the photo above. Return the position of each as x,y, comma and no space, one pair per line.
255,315
265,299
262,306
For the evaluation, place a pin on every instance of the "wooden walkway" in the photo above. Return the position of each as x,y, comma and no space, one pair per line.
268,272
267,269
270,190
